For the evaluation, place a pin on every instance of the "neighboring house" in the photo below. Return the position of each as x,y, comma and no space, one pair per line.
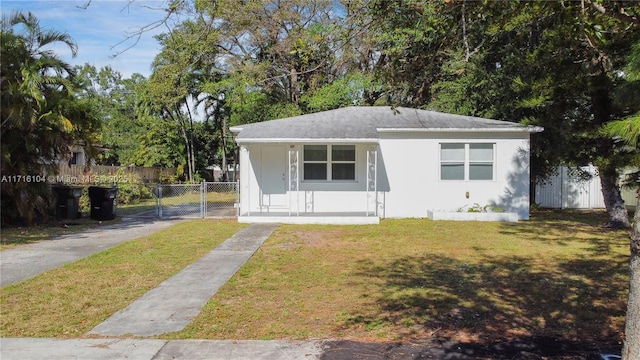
359,164
77,155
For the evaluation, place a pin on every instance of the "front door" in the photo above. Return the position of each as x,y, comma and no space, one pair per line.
274,183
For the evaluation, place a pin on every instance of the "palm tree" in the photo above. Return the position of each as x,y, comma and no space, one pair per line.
39,116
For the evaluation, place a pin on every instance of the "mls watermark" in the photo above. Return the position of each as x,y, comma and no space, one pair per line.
68,179
25,178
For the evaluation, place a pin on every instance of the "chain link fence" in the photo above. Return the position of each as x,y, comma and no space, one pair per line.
216,199
220,199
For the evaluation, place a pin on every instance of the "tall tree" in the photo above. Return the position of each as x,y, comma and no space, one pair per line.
554,64
116,101
40,117
186,62
288,42
627,130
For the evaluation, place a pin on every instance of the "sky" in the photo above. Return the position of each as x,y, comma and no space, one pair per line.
100,29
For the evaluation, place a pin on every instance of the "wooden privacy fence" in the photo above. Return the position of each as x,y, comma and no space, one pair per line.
77,174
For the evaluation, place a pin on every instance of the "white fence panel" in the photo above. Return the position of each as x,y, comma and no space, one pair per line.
568,190
549,194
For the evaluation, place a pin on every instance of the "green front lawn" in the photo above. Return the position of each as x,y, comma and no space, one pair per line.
559,275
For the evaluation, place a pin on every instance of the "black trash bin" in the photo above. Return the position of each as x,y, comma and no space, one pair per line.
102,202
67,201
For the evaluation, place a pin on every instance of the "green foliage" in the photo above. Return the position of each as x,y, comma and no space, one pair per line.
628,130
132,192
116,101
346,91
160,144
477,208
84,202
39,116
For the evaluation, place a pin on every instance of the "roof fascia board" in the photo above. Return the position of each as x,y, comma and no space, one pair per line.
307,141
528,129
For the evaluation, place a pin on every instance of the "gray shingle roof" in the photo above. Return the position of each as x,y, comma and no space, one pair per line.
365,123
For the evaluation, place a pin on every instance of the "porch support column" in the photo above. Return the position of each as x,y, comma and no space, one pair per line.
245,181
294,176
372,179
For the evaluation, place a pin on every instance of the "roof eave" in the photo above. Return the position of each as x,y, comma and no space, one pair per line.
307,140
527,129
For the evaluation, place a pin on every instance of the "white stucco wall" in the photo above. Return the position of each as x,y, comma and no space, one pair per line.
412,166
408,179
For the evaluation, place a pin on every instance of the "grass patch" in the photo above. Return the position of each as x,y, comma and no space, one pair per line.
559,274
136,207
71,300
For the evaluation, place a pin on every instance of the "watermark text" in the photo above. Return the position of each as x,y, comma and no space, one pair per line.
69,179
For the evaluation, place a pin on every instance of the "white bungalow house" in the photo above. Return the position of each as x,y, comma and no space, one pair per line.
359,164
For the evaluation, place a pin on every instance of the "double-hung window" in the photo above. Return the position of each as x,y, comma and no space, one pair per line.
473,161
329,162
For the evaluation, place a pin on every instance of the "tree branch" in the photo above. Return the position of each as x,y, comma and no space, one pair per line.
620,15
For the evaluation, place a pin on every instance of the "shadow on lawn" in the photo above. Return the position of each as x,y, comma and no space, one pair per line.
500,303
559,227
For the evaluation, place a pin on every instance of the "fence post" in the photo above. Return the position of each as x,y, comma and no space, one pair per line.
202,198
159,201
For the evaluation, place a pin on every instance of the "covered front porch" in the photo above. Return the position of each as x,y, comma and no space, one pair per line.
274,186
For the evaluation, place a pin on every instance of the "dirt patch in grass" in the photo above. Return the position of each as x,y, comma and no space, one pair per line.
558,277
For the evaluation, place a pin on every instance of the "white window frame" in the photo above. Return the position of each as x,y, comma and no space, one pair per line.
467,161
329,162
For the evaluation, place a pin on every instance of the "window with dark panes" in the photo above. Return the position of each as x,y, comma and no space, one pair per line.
343,162
329,162
315,162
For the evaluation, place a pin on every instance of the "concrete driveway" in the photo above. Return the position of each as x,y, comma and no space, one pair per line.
27,261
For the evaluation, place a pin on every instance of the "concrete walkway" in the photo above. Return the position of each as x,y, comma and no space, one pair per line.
173,304
27,261
167,308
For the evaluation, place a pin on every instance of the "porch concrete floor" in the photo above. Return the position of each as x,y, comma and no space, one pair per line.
328,218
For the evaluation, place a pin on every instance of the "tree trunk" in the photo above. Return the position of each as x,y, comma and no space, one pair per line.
631,350
601,107
618,215
188,148
192,152
295,91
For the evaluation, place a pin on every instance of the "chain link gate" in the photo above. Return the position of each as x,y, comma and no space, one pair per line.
220,199
208,199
